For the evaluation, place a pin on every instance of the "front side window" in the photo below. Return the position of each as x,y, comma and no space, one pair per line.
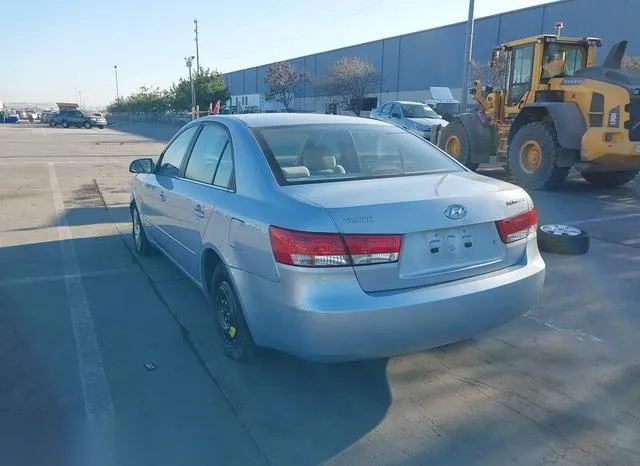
367,151
205,154
562,60
521,70
173,155
418,111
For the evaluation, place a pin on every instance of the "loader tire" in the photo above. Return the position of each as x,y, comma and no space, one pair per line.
532,157
609,179
454,140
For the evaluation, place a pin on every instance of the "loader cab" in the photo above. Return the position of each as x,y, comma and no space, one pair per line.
527,65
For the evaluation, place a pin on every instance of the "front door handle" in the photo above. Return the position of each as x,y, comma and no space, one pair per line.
198,212
162,196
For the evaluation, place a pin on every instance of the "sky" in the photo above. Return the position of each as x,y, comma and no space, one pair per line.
55,51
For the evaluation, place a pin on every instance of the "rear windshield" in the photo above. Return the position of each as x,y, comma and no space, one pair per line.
418,111
338,152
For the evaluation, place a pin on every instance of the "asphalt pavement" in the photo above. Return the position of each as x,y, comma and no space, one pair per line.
111,358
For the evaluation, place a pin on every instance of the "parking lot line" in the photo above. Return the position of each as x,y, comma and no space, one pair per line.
605,219
68,276
97,399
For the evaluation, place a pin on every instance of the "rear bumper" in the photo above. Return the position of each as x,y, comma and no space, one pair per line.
325,316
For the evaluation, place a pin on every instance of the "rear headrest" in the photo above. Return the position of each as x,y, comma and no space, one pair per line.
295,172
317,158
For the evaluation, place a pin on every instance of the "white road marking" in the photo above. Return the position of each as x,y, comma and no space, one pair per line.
97,399
68,276
98,161
579,335
604,219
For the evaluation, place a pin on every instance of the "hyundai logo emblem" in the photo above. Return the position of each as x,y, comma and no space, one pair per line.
455,211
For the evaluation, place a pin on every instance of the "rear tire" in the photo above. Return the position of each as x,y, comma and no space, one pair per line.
454,140
232,326
532,156
609,179
65,124
563,239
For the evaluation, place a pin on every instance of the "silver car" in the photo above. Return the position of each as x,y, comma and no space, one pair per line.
336,238
413,116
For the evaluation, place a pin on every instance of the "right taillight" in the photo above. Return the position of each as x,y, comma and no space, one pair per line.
518,227
332,249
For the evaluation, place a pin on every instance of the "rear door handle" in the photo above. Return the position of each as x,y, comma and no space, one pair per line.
198,212
162,196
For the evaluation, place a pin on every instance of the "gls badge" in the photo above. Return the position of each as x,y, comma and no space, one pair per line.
455,212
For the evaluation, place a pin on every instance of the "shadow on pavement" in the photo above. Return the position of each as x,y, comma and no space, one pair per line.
161,132
296,411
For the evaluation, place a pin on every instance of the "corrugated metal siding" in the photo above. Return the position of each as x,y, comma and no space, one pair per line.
434,57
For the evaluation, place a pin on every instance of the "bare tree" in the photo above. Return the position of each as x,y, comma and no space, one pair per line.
282,81
631,63
351,79
496,76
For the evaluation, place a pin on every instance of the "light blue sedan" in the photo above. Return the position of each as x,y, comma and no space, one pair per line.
412,116
336,238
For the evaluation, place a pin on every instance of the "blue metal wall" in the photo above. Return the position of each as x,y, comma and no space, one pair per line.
434,57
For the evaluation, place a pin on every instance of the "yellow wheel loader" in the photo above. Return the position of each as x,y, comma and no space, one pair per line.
555,110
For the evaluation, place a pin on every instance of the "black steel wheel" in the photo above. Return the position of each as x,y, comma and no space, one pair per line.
236,337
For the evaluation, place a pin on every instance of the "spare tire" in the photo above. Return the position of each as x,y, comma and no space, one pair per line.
563,239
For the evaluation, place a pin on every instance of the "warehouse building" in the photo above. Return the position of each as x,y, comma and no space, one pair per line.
410,64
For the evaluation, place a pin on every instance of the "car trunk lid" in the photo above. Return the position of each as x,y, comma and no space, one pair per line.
435,248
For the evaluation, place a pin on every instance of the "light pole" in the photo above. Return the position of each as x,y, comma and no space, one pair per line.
115,69
195,22
467,59
189,63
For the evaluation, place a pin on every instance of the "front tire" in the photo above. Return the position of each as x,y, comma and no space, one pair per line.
533,155
87,125
65,124
234,332
454,140
140,241
609,179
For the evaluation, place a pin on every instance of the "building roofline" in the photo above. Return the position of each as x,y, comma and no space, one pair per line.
301,57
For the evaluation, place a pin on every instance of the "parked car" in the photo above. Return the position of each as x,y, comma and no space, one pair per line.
46,116
336,238
413,116
78,118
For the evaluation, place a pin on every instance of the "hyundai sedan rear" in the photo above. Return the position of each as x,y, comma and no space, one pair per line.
344,238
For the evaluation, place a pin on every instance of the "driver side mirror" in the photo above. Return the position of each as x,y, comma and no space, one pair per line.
145,165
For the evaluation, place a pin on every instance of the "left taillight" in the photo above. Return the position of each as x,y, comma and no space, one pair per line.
518,227
332,249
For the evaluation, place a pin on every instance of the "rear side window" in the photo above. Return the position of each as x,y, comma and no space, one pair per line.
206,153
356,151
224,175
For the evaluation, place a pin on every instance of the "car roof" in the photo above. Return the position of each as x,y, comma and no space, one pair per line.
255,120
